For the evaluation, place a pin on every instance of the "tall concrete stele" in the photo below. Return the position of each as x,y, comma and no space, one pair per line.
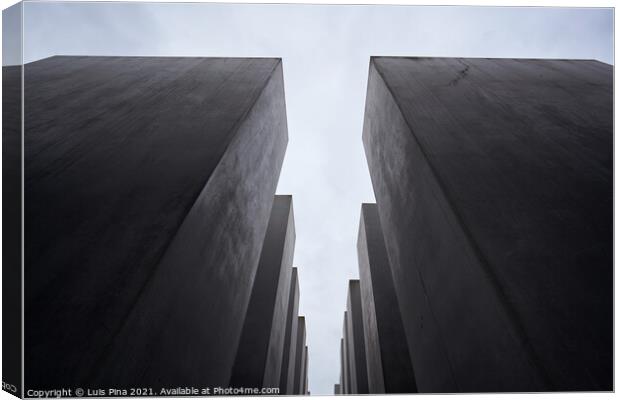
375,356
150,224
493,181
265,348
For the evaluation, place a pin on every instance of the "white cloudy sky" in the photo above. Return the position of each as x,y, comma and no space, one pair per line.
325,51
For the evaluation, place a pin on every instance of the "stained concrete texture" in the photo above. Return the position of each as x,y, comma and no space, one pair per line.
357,344
387,354
299,355
287,371
493,180
148,188
261,347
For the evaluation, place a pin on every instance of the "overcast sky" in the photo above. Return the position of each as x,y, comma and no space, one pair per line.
325,52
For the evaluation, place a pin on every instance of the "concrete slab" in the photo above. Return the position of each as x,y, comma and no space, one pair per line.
148,188
493,180
299,354
356,341
347,359
387,353
261,347
12,231
304,371
342,364
287,374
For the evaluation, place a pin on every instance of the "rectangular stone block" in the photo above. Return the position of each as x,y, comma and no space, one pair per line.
287,371
299,355
12,230
346,364
261,347
304,372
343,361
148,188
493,180
387,353
356,341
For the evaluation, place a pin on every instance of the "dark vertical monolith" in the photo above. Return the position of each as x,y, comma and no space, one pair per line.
356,341
261,347
157,176
387,354
12,178
287,371
299,355
493,181
304,371
346,364
342,361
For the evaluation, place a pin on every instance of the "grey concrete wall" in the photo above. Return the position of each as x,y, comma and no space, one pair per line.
259,354
387,354
494,185
12,150
12,211
280,324
307,362
299,354
343,371
347,361
356,341
157,176
287,371
304,371
341,382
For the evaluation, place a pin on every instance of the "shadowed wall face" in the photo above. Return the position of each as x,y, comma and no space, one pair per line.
12,230
261,347
356,342
299,355
287,371
304,371
342,376
387,354
148,188
346,364
493,180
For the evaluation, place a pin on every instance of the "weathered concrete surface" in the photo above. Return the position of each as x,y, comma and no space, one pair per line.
287,371
299,354
260,351
493,180
12,213
387,354
356,342
149,183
